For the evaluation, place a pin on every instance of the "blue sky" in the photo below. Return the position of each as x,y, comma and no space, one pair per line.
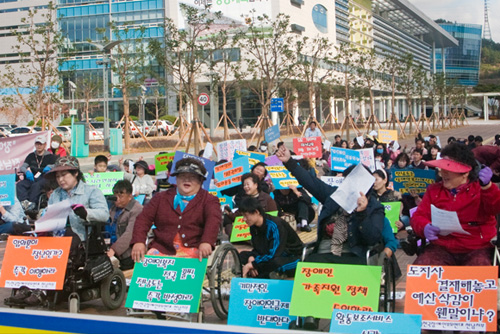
462,11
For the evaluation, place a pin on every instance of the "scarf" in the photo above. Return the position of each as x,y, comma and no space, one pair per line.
182,201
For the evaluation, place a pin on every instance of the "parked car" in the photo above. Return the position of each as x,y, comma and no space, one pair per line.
5,132
65,131
21,130
96,131
164,125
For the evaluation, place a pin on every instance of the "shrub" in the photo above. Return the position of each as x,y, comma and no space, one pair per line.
66,121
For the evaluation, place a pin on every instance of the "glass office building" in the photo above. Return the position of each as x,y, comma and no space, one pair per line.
462,62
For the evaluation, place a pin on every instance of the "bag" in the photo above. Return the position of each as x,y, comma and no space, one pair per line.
98,268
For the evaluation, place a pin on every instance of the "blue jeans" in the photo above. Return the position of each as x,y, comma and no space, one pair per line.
6,228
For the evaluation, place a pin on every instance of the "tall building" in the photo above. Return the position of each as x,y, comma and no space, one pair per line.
361,23
462,62
342,21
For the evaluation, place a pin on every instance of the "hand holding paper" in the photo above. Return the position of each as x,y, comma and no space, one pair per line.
446,221
357,183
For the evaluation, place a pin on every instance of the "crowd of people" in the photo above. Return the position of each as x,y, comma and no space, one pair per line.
186,220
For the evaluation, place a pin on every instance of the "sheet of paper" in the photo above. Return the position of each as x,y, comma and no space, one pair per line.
54,218
447,221
360,141
347,194
327,144
209,149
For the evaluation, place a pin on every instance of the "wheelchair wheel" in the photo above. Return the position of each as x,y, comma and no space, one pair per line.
74,303
113,290
226,265
389,287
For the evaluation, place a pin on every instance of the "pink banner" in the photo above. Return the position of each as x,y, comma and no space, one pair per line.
13,151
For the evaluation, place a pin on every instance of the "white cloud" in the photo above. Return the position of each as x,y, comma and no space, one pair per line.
462,11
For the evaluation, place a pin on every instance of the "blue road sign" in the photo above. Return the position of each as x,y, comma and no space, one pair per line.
277,105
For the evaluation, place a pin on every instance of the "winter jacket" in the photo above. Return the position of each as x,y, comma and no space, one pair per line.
124,228
476,209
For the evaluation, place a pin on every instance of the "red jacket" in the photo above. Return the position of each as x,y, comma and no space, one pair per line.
476,210
488,155
200,222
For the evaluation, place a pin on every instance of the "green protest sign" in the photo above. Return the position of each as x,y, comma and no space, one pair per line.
241,231
162,160
168,284
104,181
392,210
328,286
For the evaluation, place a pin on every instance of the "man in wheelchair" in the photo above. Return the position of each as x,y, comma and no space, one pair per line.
276,246
342,237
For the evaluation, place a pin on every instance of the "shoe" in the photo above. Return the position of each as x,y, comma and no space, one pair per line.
409,245
311,323
305,228
19,298
37,298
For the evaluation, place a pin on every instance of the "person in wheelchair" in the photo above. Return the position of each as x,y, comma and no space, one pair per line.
187,218
10,216
466,189
297,203
342,237
122,214
276,246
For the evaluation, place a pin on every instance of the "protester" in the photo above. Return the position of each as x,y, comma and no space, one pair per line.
476,201
187,218
276,247
342,237
56,148
381,156
297,203
123,214
417,159
382,194
402,161
478,141
337,141
101,165
489,155
312,130
34,167
142,183
433,153
88,202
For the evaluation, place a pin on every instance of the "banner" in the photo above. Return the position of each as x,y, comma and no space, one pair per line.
271,134
104,181
260,303
162,160
7,189
392,210
225,149
342,158
386,136
228,175
355,322
338,286
241,230
419,179
333,181
454,298
367,158
209,166
253,157
282,177
14,151
168,284
38,263
308,147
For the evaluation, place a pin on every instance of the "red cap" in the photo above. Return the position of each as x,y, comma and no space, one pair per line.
449,165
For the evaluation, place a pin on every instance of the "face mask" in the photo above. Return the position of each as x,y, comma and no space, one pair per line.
263,148
380,150
54,145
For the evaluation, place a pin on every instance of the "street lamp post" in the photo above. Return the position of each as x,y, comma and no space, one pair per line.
106,59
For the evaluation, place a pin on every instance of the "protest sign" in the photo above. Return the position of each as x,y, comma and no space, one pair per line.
356,322
14,150
223,199
260,303
253,157
342,158
273,133
282,177
273,160
241,230
228,175
333,181
162,160
392,210
308,147
7,189
338,286
367,158
104,181
415,179
209,166
55,217
38,263
168,284
225,149
386,136
455,298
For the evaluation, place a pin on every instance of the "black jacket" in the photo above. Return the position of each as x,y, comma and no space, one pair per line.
274,238
365,228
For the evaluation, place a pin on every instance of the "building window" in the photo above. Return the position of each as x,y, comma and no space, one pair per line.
320,19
